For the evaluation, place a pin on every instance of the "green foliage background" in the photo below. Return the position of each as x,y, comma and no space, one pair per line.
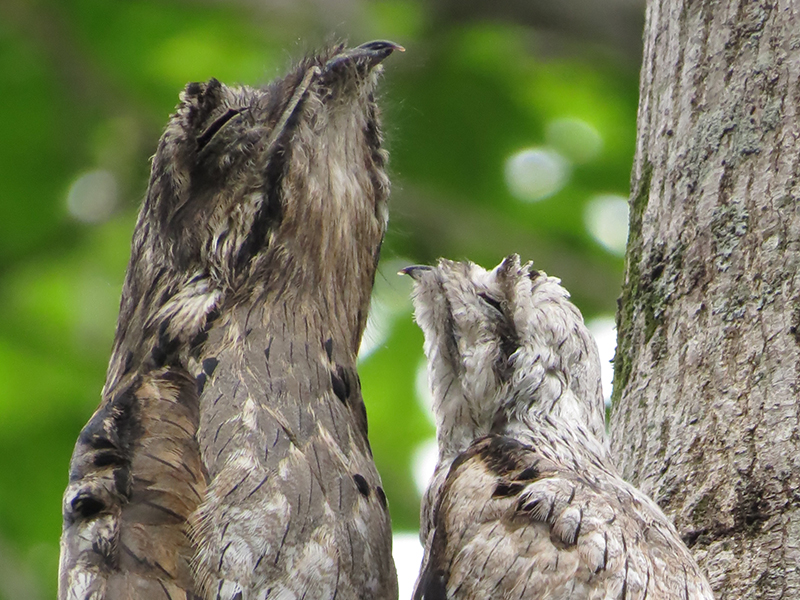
88,84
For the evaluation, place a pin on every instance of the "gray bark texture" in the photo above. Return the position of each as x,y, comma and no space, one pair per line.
706,417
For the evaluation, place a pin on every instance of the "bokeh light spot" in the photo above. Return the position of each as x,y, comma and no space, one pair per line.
536,173
604,331
407,553
574,138
92,197
423,464
606,218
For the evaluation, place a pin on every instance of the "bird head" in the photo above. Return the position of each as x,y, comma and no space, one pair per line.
227,167
256,190
503,345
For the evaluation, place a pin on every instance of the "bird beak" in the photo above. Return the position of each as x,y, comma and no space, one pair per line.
369,55
377,51
414,271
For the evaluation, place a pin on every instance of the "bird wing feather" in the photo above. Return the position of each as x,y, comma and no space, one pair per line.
135,478
514,522
295,504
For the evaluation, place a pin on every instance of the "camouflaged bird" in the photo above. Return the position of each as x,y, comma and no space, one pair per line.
229,456
525,501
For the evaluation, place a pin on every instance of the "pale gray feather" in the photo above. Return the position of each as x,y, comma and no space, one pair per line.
229,457
525,501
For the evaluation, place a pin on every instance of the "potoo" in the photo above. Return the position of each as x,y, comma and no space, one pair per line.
229,457
525,501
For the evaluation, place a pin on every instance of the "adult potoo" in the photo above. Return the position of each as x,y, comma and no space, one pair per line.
229,456
525,501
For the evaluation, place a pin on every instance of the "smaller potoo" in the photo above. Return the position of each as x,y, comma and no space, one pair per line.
229,457
525,501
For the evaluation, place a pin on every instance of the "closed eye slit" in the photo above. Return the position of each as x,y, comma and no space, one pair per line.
494,303
205,137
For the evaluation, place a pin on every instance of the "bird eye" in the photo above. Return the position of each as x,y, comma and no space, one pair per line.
205,137
493,302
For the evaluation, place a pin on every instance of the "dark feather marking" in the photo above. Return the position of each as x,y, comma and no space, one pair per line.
502,455
236,487
161,460
339,386
212,129
87,506
219,428
129,552
222,555
504,575
258,487
270,213
578,528
349,536
529,474
338,573
493,302
164,509
305,521
434,587
194,489
504,489
605,551
489,554
549,517
524,589
164,588
185,467
283,541
318,474
107,458
362,485
224,446
201,383
188,433
209,365
381,496
329,348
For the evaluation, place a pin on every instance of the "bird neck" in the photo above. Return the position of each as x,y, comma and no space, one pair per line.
334,194
561,438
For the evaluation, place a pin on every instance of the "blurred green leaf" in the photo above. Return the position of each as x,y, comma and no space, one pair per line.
89,84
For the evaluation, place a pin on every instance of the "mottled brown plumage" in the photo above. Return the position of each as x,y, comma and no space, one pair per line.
525,501
229,456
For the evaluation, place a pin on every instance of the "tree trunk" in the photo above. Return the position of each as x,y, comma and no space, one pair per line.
706,416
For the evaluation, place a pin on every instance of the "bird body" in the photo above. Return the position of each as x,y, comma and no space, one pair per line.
229,457
525,501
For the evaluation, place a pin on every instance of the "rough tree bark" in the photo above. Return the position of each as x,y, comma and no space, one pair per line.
707,372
